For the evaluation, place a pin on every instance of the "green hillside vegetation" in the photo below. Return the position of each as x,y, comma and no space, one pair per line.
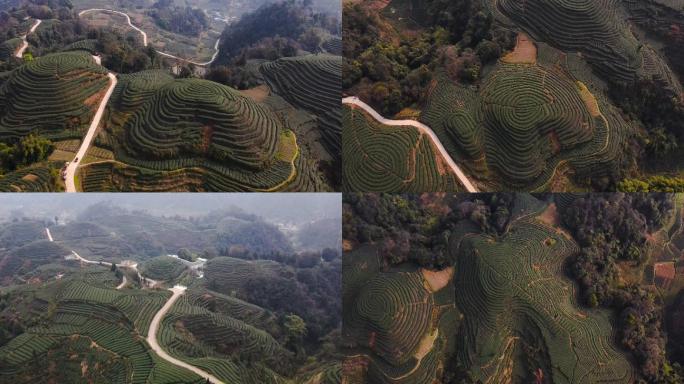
394,321
217,123
87,45
192,134
390,159
90,326
526,125
244,334
573,345
39,177
164,129
21,232
22,260
620,57
569,288
226,345
333,46
552,111
8,48
110,233
268,321
53,95
229,275
163,268
312,83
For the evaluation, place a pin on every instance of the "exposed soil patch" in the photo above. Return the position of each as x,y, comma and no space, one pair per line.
437,279
550,216
525,52
258,93
30,177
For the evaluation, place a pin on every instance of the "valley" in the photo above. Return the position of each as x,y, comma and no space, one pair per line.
78,293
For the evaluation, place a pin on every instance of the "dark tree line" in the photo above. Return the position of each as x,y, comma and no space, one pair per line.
394,72
183,20
610,229
292,22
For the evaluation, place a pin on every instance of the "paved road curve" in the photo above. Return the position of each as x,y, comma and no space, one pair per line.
177,290
24,43
87,140
353,100
144,35
123,283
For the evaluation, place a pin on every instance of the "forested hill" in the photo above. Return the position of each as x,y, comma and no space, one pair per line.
285,27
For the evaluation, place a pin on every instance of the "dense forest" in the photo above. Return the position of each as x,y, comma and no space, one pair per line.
184,20
275,30
392,69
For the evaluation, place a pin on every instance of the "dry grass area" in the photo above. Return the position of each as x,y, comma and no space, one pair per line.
287,147
426,345
258,93
589,99
525,52
408,114
60,155
550,216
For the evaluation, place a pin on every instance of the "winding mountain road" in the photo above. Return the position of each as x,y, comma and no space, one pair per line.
24,43
128,19
144,35
177,290
353,100
87,140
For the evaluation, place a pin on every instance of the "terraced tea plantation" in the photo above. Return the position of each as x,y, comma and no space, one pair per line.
504,312
390,159
545,96
102,301
164,268
527,127
55,95
163,130
313,84
191,134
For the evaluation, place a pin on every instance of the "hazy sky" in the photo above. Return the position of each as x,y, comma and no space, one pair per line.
278,207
